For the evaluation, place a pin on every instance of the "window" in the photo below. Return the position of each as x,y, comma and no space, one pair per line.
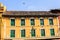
33,33
42,32
52,32
22,22
51,21
12,22
22,33
12,34
32,22
41,21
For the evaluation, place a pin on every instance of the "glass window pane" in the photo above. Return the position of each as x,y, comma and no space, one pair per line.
22,33
32,22
51,21
12,33
41,21
33,33
12,22
22,22
52,32
42,32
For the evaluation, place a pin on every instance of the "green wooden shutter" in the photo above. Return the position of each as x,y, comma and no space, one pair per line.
42,32
33,33
52,32
12,22
41,21
22,33
22,22
12,34
51,21
32,22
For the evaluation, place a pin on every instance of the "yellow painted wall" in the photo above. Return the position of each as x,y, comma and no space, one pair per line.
28,27
6,27
2,10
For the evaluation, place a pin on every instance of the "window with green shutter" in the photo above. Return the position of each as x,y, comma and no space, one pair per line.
32,22
33,33
12,34
12,22
22,33
22,22
52,32
51,21
42,32
41,21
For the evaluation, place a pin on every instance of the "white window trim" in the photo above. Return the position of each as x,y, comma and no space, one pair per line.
22,18
41,18
12,18
32,17
22,28
50,18
51,28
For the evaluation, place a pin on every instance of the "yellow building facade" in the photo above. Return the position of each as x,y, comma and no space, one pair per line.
29,25
2,10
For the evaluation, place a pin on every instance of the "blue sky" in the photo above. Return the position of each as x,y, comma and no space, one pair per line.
31,5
